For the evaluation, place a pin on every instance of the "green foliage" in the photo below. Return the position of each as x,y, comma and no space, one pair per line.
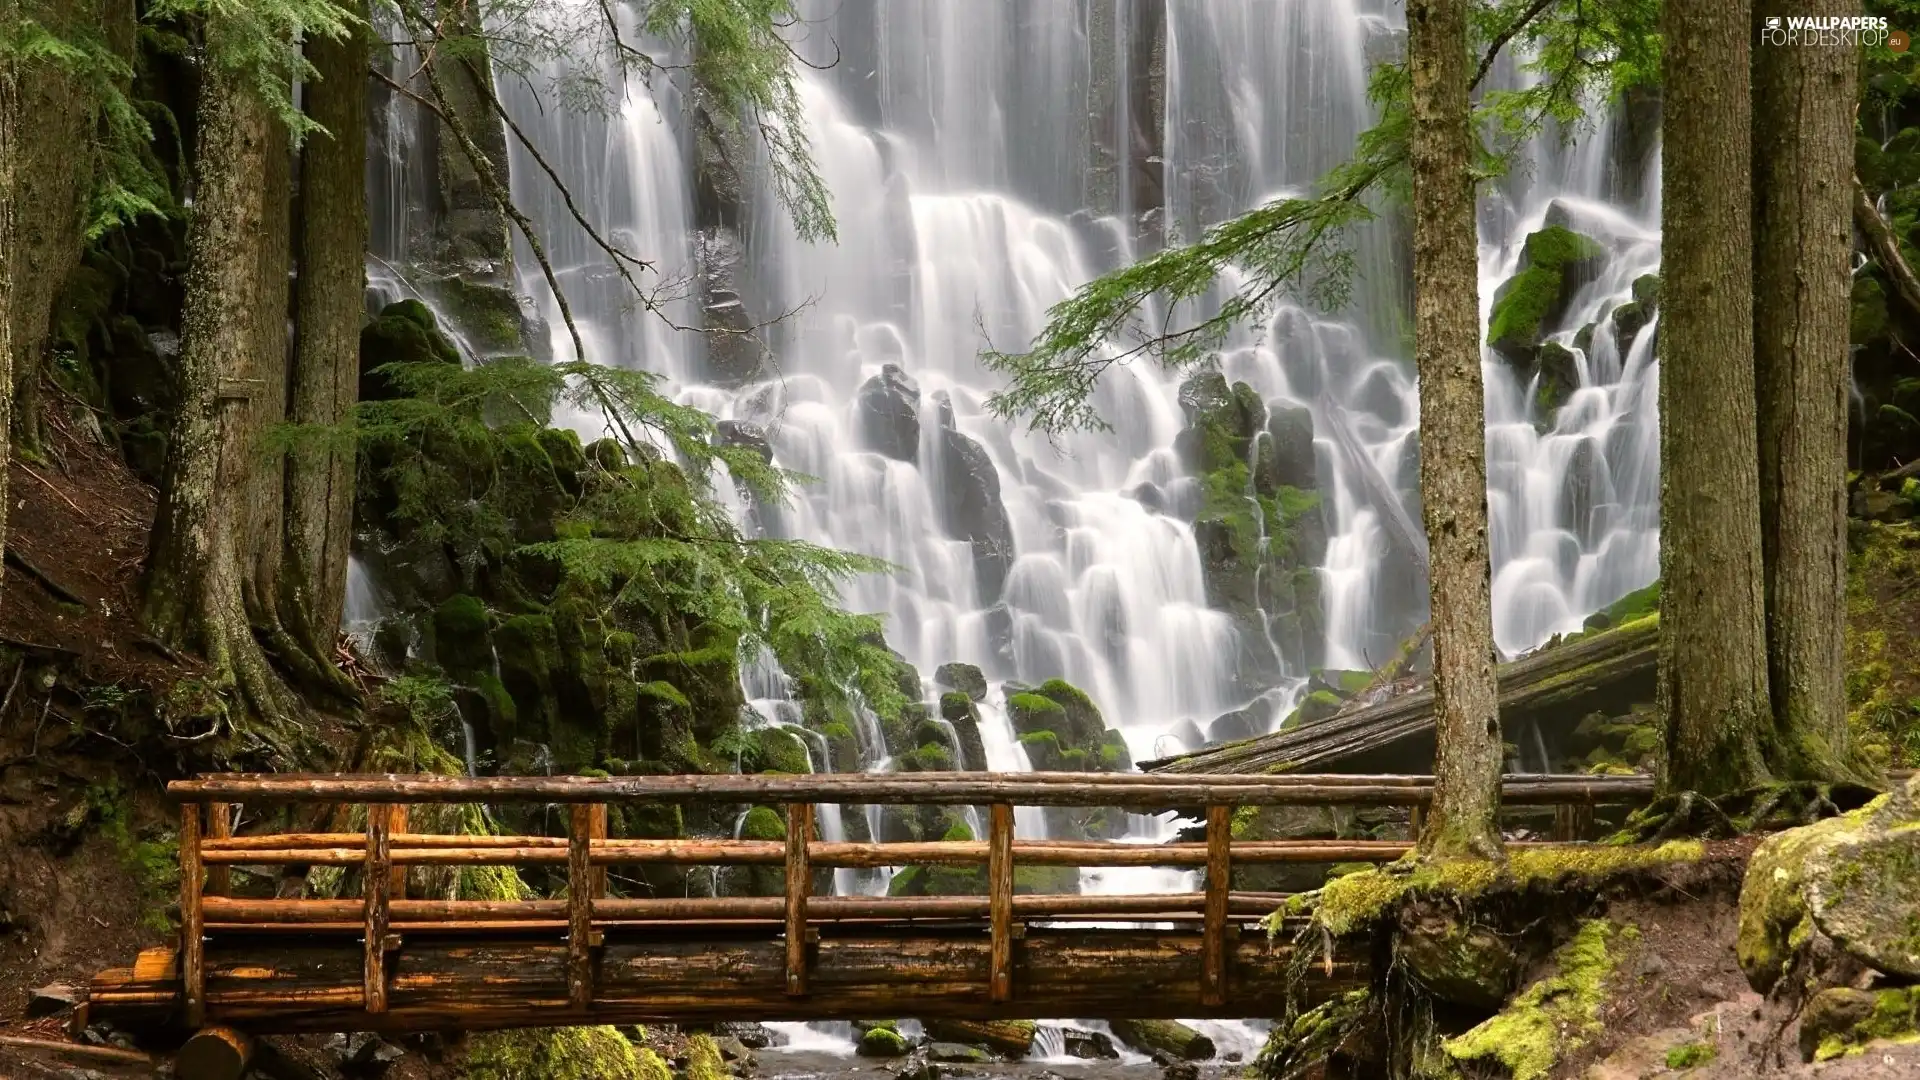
1691,1055
465,457
257,43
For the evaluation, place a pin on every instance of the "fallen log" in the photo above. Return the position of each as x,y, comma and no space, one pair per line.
1604,671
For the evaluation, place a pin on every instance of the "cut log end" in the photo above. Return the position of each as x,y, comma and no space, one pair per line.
214,1053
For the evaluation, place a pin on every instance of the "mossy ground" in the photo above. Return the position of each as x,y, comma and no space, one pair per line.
1883,642
1553,1016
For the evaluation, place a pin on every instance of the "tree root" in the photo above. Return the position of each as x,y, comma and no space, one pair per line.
1766,807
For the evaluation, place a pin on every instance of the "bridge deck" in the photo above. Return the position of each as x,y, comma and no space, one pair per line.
385,961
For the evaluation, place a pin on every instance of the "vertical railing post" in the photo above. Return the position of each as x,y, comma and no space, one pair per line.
377,882
799,885
193,942
219,826
397,823
1000,901
1416,822
1213,957
580,906
597,830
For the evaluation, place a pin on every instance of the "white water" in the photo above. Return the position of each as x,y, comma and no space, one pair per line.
955,140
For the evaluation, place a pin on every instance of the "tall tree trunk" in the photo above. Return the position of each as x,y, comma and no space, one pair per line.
1453,468
9,254
326,369
1802,286
199,555
1713,659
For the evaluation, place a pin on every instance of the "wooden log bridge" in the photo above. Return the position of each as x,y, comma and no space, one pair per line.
387,961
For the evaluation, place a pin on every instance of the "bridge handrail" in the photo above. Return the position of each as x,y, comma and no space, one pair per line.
1160,791
384,851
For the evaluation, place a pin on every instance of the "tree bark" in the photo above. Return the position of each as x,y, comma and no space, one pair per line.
326,367
197,557
1802,287
1453,472
9,254
1713,694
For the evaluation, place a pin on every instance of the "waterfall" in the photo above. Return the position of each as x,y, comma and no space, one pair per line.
984,160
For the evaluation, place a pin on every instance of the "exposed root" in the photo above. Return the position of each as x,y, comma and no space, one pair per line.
1763,808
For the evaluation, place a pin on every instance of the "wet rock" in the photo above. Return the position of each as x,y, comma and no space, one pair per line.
1293,462
51,1000
958,709
734,357
920,1069
1189,733
1844,884
971,510
887,414
1168,1038
363,1053
1088,1045
1239,724
1833,1012
745,436
1557,377
1149,495
1633,316
965,678
955,1053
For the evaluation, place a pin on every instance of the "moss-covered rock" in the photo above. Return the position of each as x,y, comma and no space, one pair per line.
403,333
883,1041
1315,707
1554,263
1842,1022
1848,880
1552,1017
1032,714
1164,1038
460,637
1556,377
579,1053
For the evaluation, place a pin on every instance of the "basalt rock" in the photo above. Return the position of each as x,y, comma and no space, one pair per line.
970,507
734,354
1555,262
965,678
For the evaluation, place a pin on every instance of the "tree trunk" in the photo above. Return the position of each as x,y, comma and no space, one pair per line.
326,368
198,556
1713,660
1453,469
9,253
1802,285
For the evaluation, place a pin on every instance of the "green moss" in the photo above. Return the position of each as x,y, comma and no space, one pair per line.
883,1042
1355,901
1556,1015
1522,306
703,1059
1691,1055
1895,1018
763,823
780,750
577,1053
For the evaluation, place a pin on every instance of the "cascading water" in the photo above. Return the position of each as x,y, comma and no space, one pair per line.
985,159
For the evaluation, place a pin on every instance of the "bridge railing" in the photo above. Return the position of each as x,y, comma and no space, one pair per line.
384,851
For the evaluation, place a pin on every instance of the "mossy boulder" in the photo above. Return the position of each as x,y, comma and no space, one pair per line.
1848,880
1555,262
779,750
579,1053
1633,316
1032,714
957,708
1083,726
707,677
403,333
1842,1021
1556,377
883,1041
1164,1038
460,637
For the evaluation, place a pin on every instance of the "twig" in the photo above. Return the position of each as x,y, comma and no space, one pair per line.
18,669
1500,40
28,469
61,592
